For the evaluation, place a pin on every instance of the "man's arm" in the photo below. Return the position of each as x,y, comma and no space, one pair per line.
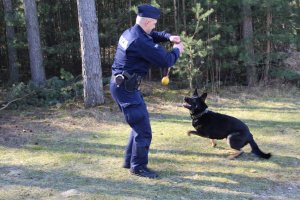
164,37
158,55
160,36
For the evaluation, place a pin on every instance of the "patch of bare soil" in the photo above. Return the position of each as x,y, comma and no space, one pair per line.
12,132
16,128
19,128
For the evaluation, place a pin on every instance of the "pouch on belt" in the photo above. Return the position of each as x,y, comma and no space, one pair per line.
131,82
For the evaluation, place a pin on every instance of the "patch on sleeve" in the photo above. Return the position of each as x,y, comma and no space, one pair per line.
123,42
156,46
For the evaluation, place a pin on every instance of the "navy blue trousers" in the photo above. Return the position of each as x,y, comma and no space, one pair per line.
136,115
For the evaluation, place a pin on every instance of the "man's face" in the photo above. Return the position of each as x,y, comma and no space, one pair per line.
151,23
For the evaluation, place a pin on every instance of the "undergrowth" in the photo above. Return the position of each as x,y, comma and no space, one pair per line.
56,90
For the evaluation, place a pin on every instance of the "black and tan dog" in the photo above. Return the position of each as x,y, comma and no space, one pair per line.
218,126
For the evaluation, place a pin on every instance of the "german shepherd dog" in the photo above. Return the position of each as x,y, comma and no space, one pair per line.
218,126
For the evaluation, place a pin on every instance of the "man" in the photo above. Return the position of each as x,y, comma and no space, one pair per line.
137,50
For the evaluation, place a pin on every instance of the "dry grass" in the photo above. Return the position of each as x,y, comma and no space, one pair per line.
44,153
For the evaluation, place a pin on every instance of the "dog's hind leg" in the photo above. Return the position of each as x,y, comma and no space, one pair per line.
213,143
235,141
235,154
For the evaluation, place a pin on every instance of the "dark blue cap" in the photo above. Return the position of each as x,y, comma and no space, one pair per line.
149,11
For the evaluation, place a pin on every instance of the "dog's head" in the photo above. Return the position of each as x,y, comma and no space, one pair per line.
196,103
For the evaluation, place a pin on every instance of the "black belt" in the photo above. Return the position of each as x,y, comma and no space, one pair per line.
131,82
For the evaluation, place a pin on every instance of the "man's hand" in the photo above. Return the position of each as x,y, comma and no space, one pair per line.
175,39
179,46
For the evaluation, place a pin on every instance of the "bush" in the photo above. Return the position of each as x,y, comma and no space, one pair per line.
286,75
55,91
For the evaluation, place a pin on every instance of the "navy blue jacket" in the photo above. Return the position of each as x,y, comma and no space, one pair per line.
137,51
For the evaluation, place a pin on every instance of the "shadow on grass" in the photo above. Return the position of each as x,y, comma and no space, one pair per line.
85,143
231,181
286,161
181,184
172,184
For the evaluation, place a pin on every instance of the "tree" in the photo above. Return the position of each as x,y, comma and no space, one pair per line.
273,36
175,16
33,36
248,43
10,36
268,45
90,53
195,48
184,14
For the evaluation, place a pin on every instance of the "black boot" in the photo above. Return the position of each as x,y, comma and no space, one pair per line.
126,165
143,172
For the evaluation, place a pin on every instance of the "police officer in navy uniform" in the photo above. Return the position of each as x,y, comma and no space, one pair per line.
137,50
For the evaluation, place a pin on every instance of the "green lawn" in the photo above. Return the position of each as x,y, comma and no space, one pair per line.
45,152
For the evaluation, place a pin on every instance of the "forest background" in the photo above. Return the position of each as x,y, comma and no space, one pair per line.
228,42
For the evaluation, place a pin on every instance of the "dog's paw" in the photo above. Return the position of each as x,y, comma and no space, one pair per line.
189,133
235,154
231,157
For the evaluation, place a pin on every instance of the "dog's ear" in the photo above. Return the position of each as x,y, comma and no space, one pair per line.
203,96
195,93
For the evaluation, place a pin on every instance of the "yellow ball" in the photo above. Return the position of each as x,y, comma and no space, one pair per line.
165,80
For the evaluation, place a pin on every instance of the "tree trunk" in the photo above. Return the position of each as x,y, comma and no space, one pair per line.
33,36
163,14
268,49
190,78
184,15
90,53
248,42
10,35
130,18
298,29
175,16
191,83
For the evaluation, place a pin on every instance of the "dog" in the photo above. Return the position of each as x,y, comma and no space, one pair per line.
213,125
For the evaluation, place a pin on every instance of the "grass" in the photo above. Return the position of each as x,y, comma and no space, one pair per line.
45,152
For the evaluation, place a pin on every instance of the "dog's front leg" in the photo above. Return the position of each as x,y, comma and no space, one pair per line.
192,132
213,143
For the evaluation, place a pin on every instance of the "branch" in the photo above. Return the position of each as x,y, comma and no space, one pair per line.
5,106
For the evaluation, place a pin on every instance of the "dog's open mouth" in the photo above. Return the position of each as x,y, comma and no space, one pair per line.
186,105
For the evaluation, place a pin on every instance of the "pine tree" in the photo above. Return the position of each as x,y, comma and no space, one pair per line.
33,36
90,53
10,36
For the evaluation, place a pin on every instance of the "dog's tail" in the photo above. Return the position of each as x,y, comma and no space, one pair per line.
257,151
